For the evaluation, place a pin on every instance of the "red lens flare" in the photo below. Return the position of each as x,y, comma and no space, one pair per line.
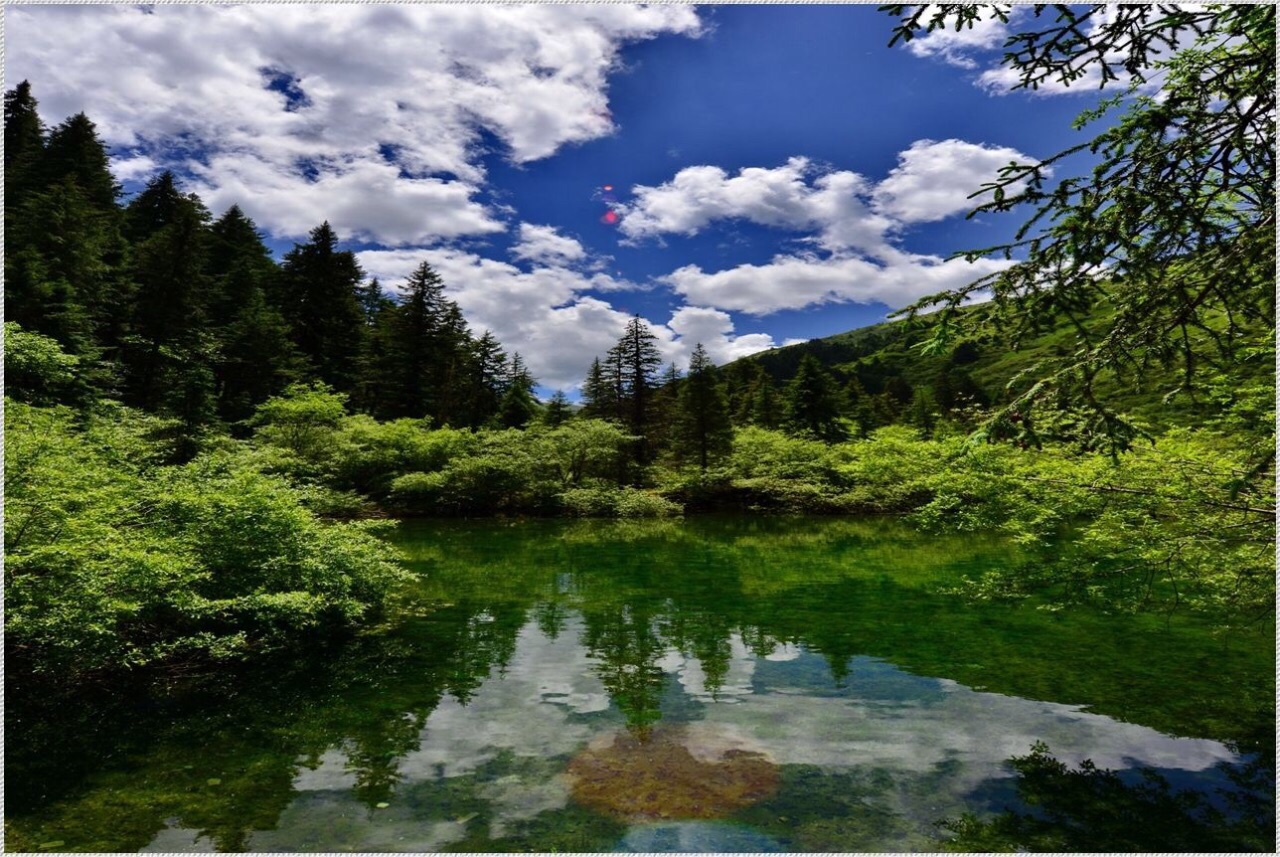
608,187
610,217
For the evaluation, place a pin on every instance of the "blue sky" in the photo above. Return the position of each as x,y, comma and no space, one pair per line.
777,172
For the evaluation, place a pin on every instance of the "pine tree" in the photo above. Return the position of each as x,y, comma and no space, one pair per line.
558,410
599,398
703,429
812,406
319,300
74,151
637,359
24,142
170,244
518,406
766,410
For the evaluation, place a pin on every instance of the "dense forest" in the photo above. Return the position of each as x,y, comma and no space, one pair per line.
201,438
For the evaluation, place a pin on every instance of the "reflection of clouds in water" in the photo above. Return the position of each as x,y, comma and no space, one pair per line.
181,839
908,724
784,652
549,704
329,821
737,680
514,798
331,773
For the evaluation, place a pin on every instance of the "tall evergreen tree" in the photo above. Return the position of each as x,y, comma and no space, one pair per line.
518,406
319,299
74,150
703,429
599,399
24,141
638,361
558,410
170,245
765,407
812,406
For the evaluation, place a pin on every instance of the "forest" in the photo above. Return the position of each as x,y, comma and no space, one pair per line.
202,440
298,559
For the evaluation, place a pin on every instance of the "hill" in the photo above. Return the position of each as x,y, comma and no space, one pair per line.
885,377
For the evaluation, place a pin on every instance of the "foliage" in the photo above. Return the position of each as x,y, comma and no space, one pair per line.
1172,232
116,561
36,369
1093,809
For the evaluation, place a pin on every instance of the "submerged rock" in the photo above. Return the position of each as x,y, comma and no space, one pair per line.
677,772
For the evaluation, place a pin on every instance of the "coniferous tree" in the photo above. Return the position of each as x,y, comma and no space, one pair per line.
24,142
74,150
703,430
766,409
487,366
518,407
599,398
319,300
558,410
256,356
637,359
170,244
812,406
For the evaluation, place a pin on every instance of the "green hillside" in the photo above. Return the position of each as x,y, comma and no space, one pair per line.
885,375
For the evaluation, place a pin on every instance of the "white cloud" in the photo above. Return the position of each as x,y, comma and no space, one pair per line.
978,48
797,196
546,315
956,47
714,329
795,282
934,180
852,223
545,245
411,84
842,211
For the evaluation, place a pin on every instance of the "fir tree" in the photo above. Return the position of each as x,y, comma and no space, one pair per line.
703,429
518,406
74,151
637,359
812,406
319,300
24,141
558,410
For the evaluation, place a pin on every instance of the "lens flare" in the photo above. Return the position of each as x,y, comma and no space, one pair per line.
608,187
610,217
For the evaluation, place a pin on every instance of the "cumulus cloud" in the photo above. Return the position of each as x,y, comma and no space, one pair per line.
979,48
852,224
956,47
547,315
934,180
543,244
795,282
796,196
346,109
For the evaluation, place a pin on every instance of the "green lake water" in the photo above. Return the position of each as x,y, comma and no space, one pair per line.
715,684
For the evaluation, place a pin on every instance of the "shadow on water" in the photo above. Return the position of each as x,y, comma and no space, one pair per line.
672,649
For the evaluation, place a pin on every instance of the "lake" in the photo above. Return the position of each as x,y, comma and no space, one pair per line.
714,684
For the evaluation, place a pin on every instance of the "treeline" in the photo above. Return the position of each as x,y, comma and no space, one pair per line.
188,316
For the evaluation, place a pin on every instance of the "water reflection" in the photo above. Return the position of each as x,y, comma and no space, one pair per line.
584,688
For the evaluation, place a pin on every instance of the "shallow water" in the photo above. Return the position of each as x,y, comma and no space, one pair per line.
713,685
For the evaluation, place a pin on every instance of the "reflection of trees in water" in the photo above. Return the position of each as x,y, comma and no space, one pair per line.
1087,808
221,755
830,586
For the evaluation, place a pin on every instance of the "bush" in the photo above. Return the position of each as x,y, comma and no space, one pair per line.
113,562
617,503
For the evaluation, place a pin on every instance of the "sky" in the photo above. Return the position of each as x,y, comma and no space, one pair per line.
744,176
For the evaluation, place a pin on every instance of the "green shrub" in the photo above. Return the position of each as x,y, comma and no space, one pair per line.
617,503
115,562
